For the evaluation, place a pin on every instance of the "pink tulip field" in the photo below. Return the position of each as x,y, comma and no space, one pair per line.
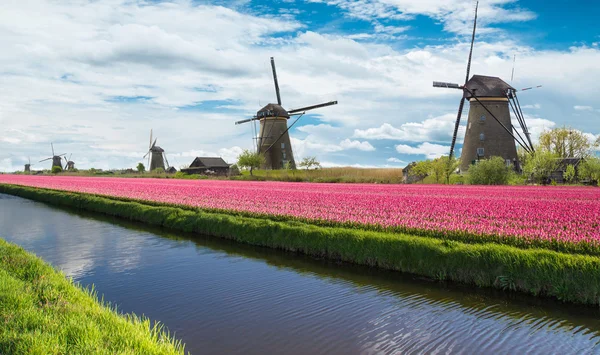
525,213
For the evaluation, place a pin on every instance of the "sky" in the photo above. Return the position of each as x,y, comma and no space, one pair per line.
93,77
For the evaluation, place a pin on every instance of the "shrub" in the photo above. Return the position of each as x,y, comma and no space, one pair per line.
491,171
56,169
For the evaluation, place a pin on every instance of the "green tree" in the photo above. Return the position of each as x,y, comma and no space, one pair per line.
451,166
440,169
56,169
421,168
566,142
540,165
309,162
590,169
569,174
492,171
250,160
140,168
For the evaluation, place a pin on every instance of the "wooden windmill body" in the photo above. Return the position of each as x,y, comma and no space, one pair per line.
156,156
56,159
273,140
69,164
490,132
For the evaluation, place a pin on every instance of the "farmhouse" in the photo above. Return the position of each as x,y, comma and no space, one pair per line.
208,166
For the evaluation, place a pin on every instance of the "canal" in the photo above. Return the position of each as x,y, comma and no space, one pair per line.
221,297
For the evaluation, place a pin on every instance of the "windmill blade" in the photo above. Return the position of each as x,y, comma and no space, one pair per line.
462,100
70,155
150,143
153,144
441,84
247,120
456,126
146,155
29,159
44,160
275,79
52,145
166,160
472,43
60,155
533,87
307,108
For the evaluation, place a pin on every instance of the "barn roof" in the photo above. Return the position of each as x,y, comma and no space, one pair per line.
209,162
487,86
272,110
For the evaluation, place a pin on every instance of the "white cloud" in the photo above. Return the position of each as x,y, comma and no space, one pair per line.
583,108
350,144
438,129
456,15
429,150
396,160
534,106
110,71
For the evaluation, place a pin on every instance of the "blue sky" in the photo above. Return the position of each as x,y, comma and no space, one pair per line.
94,77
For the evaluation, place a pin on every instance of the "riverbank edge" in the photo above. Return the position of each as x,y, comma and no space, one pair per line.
44,312
567,277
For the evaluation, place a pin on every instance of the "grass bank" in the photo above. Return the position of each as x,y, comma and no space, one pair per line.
43,312
567,277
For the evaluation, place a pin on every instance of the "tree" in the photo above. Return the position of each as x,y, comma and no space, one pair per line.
567,143
141,168
451,166
569,174
421,168
492,171
309,162
440,168
540,165
590,169
56,169
250,160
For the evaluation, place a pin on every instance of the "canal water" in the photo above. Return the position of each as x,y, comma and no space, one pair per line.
221,297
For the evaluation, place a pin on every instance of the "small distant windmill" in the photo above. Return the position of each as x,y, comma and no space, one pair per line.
156,155
489,97
273,139
28,165
69,165
56,159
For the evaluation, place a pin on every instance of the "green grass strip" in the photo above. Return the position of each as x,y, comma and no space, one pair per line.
43,312
567,277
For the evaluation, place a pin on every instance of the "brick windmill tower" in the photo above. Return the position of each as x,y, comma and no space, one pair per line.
273,138
490,131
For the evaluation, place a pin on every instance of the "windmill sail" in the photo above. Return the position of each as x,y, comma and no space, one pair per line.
462,100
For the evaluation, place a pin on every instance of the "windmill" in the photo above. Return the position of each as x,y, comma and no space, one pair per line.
273,139
156,155
489,128
69,164
28,165
56,159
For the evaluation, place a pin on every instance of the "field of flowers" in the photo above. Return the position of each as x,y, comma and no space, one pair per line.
528,213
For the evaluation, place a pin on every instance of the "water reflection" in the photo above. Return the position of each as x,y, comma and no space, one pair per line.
223,297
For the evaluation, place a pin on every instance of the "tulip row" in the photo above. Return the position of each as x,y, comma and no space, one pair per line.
518,215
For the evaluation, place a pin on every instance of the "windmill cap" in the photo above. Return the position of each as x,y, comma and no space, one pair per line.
272,110
157,149
487,86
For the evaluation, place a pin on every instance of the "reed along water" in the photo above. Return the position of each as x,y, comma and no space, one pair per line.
221,297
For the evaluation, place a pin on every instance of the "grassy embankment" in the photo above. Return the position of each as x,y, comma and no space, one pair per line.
43,312
569,277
